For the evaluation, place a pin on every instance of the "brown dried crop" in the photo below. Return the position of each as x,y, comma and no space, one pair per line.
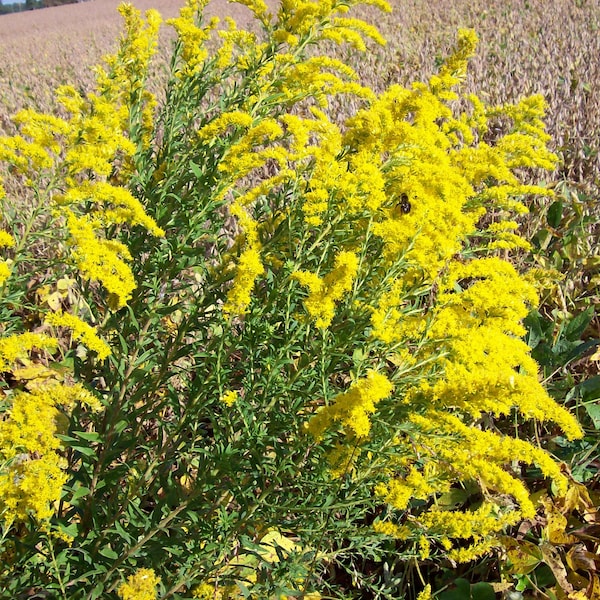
527,46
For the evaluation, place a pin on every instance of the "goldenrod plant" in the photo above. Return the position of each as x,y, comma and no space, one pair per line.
249,338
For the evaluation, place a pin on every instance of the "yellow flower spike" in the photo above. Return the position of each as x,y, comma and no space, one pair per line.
424,548
192,36
352,408
223,122
31,477
242,157
249,267
42,129
258,8
40,484
353,31
399,532
4,272
326,292
6,240
474,551
101,260
207,591
426,593
115,205
81,331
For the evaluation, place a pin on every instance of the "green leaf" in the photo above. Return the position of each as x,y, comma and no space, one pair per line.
554,216
578,324
593,411
196,170
586,391
79,492
460,591
482,591
108,552
581,349
97,591
453,498
534,328
89,436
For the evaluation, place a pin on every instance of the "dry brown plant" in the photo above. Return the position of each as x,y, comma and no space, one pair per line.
526,47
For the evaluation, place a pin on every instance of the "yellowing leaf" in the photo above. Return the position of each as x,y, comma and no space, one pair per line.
35,375
577,498
555,530
65,284
273,540
523,557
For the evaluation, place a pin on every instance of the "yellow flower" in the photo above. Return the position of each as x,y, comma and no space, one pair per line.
17,347
229,398
324,293
207,591
31,476
192,37
399,532
424,548
426,593
353,407
249,267
140,586
113,204
101,260
80,331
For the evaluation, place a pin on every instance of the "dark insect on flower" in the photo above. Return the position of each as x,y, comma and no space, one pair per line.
404,205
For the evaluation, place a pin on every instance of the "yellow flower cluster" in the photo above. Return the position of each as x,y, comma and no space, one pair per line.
80,151
259,9
327,291
6,240
191,36
67,162
140,586
351,409
454,452
243,157
101,260
31,475
229,398
319,77
249,265
80,331
301,17
238,48
488,367
409,172
17,347
113,205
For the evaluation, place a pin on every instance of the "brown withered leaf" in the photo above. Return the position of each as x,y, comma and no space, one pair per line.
587,532
553,560
579,558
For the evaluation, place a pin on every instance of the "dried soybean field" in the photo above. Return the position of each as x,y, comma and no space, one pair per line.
526,47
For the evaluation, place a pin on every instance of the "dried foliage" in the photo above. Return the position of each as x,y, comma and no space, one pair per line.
525,48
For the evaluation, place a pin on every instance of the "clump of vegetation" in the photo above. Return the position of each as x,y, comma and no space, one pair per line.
253,347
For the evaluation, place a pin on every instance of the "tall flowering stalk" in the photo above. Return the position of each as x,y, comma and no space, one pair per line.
274,324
